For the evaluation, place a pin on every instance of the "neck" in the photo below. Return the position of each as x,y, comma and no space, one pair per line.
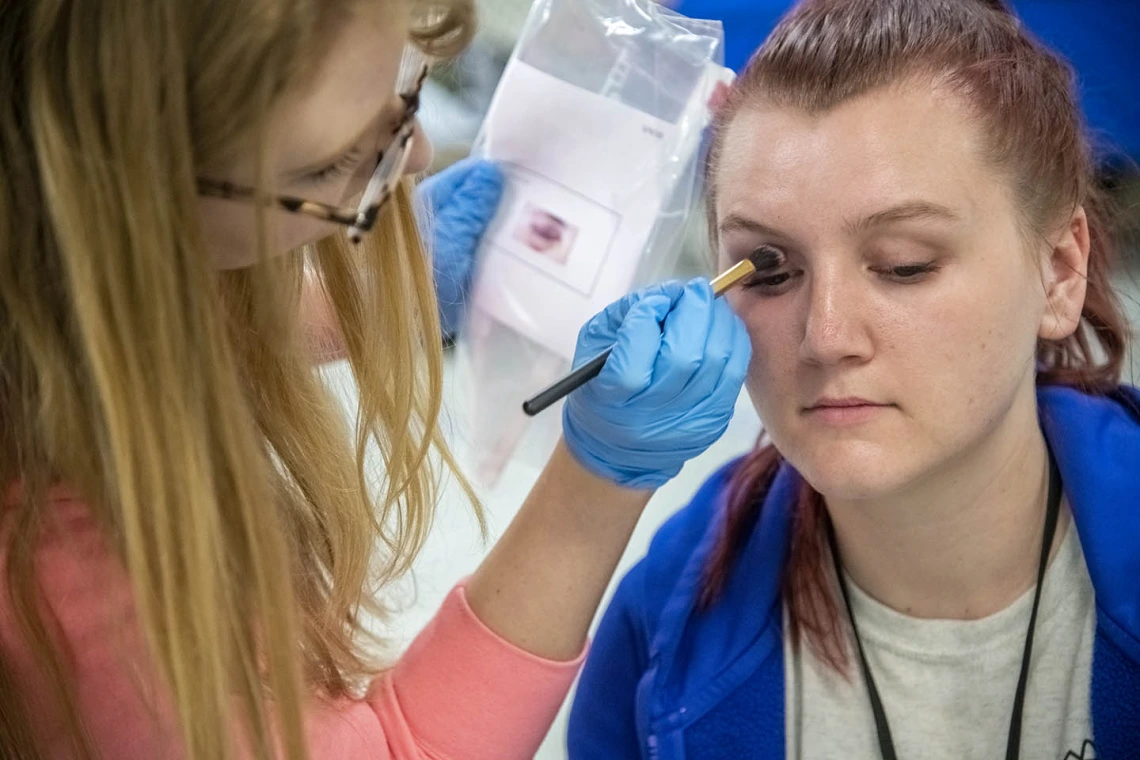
966,542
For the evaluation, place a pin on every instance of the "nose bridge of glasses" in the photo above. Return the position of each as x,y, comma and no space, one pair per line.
392,158
389,138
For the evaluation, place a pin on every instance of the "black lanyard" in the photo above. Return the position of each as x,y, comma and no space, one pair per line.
1013,746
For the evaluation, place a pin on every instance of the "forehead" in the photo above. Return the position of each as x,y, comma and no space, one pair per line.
891,145
353,82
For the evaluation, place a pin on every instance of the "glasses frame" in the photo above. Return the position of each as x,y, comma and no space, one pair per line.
390,166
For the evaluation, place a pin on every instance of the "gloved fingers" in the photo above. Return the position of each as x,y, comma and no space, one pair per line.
629,370
720,401
452,302
463,215
617,311
686,333
460,202
601,331
458,210
725,337
643,442
736,371
437,188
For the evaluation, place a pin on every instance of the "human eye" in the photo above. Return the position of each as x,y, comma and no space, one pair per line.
907,273
343,166
772,284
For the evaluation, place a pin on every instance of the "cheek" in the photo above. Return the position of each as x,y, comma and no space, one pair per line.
229,231
972,328
771,325
295,230
226,230
976,343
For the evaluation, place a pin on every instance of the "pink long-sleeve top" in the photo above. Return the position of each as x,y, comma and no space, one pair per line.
459,691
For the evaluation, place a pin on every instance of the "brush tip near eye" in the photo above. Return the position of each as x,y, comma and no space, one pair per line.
767,257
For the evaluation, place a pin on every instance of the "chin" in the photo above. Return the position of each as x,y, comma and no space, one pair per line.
852,470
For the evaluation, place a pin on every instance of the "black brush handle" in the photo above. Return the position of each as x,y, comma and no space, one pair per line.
563,387
764,258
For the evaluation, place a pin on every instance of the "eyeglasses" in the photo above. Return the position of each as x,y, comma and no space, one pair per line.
390,164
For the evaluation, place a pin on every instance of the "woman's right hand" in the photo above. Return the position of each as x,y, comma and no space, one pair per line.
668,390
665,394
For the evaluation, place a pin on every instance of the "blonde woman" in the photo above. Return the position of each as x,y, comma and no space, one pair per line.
188,540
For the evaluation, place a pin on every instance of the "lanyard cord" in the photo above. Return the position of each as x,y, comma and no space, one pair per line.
1013,745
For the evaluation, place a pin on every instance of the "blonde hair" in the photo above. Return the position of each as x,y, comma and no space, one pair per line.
180,403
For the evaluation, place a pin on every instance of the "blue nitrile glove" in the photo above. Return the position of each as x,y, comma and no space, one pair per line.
668,389
460,202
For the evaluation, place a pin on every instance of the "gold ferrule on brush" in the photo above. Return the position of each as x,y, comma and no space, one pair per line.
733,276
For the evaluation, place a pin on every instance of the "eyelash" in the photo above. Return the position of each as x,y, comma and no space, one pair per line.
344,165
904,274
768,282
908,273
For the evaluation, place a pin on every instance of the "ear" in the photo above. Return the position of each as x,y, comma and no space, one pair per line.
1065,276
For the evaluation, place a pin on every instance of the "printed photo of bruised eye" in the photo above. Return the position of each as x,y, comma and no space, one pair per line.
545,233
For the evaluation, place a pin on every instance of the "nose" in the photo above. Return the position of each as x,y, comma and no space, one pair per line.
419,157
835,330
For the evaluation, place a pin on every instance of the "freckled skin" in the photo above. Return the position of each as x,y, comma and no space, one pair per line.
950,354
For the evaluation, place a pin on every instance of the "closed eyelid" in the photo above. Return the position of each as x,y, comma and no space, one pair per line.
377,135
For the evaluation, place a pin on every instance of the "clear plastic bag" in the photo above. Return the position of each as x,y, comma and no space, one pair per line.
568,240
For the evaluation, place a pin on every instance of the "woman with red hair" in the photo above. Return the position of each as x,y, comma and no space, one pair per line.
934,551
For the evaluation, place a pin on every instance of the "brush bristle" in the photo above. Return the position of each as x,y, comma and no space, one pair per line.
767,257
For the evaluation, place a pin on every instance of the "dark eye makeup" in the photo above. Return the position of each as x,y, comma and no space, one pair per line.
774,283
769,281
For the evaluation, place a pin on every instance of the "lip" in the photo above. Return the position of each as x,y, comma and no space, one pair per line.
547,233
845,411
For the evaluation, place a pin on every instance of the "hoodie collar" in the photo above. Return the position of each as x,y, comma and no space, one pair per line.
699,656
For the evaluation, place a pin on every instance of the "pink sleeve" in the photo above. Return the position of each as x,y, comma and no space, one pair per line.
461,691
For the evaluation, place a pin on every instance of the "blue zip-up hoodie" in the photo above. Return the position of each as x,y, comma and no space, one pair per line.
666,682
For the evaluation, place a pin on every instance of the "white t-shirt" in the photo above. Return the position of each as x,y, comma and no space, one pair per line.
947,686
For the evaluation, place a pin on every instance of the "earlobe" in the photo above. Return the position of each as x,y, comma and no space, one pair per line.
1066,282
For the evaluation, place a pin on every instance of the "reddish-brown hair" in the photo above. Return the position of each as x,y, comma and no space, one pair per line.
824,52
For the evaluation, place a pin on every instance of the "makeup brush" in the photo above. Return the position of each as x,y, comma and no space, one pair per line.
763,259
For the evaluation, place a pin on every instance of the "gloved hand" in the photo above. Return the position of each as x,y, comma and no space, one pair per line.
668,390
459,203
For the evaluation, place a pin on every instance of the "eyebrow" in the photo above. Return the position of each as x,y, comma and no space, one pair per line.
902,212
738,223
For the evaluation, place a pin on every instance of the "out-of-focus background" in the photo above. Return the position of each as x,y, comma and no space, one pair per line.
1099,37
